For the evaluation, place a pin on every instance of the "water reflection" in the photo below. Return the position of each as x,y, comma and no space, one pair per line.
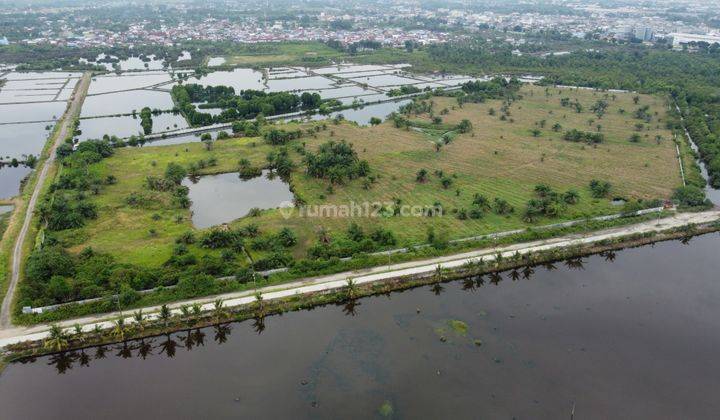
165,345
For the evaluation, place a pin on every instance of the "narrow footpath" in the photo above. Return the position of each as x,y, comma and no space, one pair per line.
66,124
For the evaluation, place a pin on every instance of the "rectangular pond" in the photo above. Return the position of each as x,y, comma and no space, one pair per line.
46,111
114,83
10,177
125,102
17,140
222,198
239,79
126,126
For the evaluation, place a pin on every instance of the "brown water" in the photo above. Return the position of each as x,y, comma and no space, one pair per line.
628,335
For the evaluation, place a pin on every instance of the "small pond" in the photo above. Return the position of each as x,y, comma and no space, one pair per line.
222,198
10,177
362,115
17,140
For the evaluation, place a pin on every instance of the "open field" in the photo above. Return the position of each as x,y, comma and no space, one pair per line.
283,53
498,159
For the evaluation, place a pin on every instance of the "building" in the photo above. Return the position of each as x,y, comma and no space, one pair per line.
4,41
644,34
680,39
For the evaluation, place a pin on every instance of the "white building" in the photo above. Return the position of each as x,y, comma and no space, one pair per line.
679,39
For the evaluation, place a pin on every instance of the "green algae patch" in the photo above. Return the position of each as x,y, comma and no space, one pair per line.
386,409
458,327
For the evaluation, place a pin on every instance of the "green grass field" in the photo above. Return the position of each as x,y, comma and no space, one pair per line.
498,159
283,53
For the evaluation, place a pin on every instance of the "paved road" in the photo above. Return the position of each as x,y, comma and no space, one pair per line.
336,281
65,125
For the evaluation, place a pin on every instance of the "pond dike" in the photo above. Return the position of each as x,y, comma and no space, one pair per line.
340,287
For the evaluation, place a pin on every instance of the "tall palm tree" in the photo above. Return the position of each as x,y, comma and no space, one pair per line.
57,338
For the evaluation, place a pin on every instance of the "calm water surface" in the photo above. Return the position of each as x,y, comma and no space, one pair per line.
17,140
10,177
222,198
125,102
627,335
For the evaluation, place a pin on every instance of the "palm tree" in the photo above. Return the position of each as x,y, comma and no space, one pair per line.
196,309
78,333
219,310
57,338
119,329
165,314
439,274
139,319
185,310
351,289
260,303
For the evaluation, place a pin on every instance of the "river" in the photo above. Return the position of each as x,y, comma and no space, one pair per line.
632,334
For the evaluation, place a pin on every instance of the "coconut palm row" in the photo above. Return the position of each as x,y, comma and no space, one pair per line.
59,338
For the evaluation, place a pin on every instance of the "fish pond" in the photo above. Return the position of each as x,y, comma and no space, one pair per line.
222,198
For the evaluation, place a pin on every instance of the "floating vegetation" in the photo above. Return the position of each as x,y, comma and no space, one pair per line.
386,409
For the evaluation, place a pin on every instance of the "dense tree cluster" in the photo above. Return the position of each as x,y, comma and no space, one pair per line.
67,206
336,162
575,135
247,104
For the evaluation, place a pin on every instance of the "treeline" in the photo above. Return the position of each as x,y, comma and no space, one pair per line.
247,104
